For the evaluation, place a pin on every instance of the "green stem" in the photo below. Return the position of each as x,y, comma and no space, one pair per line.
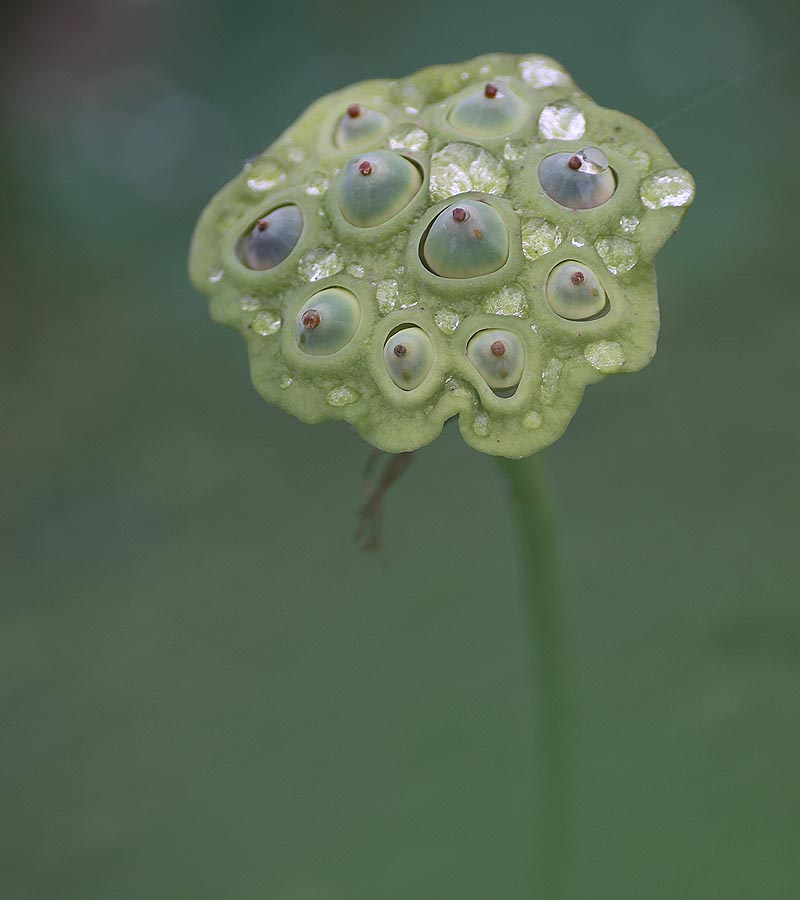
530,499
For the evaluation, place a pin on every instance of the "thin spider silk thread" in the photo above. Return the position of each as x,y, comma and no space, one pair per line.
719,89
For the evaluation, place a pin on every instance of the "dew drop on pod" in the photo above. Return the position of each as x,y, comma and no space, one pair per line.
454,258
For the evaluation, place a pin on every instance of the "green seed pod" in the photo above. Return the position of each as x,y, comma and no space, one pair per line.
574,292
360,126
484,263
272,238
492,111
408,355
328,321
581,180
499,356
377,186
465,240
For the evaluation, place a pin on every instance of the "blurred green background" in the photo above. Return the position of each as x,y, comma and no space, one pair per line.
207,690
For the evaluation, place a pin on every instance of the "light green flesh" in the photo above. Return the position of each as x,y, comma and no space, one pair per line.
381,265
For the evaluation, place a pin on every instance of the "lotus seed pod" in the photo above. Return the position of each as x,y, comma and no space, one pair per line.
492,110
271,238
487,254
465,240
499,356
408,355
581,180
377,186
328,321
574,292
360,126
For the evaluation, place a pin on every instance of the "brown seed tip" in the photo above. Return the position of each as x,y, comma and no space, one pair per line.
574,162
498,348
311,318
354,110
460,215
400,350
365,167
578,277
490,91
262,224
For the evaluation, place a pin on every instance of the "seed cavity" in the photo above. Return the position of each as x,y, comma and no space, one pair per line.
574,292
408,356
360,127
328,321
452,249
371,190
581,180
271,238
499,357
492,111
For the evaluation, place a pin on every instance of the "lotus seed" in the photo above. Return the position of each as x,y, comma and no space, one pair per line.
328,321
360,127
408,355
465,241
490,112
580,180
498,356
272,238
377,187
574,292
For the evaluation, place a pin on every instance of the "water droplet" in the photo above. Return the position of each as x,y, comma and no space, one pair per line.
316,184
266,322
629,224
578,241
542,72
672,187
640,159
355,270
619,255
481,424
515,150
532,420
457,388
562,121
447,319
342,396
550,377
264,174
458,167
510,300
409,137
296,154
605,356
216,275
286,381
320,263
386,295
409,97
248,304
539,237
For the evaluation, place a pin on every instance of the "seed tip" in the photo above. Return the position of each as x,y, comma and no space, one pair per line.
365,167
460,214
498,348
490,91
575,162
578,277
354,110
399,350
311,318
